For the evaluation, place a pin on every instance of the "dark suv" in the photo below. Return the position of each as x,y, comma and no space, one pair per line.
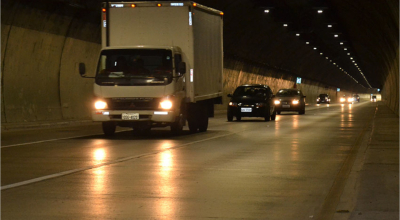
323,98
254,100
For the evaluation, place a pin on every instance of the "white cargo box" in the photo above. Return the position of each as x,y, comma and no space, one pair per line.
195,29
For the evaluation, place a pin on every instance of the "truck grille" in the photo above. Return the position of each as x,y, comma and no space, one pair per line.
152,104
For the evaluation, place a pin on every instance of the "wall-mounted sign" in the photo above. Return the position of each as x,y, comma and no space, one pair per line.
298,81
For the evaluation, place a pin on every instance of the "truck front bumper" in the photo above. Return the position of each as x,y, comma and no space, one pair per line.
150,116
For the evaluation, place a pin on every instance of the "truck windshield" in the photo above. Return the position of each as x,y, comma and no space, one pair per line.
134,67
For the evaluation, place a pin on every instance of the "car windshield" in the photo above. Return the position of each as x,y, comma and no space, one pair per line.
135,67
322,96
250,91
287,92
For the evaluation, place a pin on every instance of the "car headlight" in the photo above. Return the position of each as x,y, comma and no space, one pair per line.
342,99
317,99
233,104
295,102
350,99
166,104
277,102
100,105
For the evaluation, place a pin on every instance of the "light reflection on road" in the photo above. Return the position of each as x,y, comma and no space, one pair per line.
165,206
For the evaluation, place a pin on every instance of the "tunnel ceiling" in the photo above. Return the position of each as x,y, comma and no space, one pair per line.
359,57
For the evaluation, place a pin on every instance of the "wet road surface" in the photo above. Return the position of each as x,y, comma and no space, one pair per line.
291,168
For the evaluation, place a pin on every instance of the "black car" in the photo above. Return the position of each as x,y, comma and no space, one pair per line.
356,98
290,100
254,100
323,98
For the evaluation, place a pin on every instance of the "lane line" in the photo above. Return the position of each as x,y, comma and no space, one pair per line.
333,197
64,173
57,139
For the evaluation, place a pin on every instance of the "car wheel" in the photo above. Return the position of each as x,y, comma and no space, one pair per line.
267,115
278,112
230,118
238,118
109,128
302,112
273,116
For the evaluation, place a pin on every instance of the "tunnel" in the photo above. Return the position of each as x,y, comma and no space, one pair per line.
335,47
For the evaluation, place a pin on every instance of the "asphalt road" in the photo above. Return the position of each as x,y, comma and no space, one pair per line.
291,168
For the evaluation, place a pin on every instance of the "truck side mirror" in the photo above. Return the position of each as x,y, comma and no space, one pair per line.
182,68
82,69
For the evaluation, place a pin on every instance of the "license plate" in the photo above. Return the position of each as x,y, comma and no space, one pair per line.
130,116
246,109
285,106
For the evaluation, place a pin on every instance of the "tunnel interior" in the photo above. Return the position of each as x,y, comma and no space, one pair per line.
351,45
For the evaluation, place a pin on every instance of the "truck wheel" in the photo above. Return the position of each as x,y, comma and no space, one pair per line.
203,123
177,126
109,128
238,118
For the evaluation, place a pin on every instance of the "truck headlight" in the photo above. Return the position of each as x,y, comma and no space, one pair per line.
350,99
166,104
342,99
295,102
100,105
277,102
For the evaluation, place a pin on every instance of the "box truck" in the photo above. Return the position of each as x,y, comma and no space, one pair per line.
160,65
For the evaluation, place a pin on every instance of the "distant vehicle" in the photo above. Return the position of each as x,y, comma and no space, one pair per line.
323,98
373,99
253,100
356,98
346,99
290,100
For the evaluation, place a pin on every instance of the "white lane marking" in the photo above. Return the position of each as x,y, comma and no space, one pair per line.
108,163
49,140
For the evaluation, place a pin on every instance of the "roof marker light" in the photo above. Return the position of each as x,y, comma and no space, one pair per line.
133,5
103,10
159,5
176,4
221,13
194,4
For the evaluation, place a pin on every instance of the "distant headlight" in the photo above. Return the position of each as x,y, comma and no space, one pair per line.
166,104
342,99
277,102
100,105
350,99
295,102
317,99
233,104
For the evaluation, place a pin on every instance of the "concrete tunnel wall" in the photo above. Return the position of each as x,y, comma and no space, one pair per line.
40,55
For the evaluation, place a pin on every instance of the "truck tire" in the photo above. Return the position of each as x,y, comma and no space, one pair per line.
109,128
203,120
192,113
